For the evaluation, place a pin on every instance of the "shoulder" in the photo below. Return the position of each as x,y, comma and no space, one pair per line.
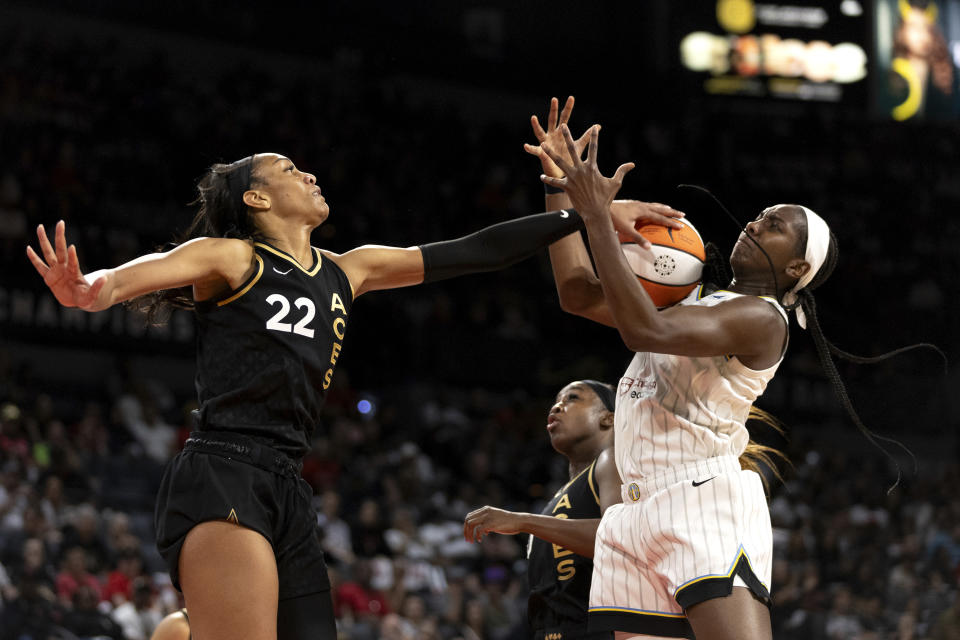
220,249
604,461
752,311
605,467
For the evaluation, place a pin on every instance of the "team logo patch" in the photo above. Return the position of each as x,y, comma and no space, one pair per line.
633,491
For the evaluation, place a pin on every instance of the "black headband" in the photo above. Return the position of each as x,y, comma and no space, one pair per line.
238,181
603,392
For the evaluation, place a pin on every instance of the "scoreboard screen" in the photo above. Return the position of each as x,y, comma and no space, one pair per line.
816,51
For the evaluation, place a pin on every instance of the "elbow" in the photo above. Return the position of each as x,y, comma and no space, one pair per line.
572,304
578,295
637,339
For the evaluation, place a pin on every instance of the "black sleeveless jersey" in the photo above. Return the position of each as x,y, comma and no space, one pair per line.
560,579
267,350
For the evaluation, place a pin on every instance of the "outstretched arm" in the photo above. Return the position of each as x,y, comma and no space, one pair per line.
577,535
372,267
204,262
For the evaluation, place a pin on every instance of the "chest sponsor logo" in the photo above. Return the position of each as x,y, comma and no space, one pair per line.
637,388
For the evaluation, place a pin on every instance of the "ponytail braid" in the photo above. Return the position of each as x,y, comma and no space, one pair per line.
222,214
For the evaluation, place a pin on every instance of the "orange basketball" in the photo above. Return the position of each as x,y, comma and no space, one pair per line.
674,266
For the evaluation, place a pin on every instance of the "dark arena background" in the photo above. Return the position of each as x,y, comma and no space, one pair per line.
412,116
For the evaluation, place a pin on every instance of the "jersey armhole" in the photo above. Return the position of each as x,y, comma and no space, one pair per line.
786,321
353,294
786,336
592,482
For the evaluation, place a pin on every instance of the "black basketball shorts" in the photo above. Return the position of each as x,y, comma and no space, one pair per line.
224,476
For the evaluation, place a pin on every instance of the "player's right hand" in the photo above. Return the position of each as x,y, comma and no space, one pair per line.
489,520
552,136
60,270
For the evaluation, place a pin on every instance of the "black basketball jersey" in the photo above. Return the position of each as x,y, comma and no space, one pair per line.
559,578
267,350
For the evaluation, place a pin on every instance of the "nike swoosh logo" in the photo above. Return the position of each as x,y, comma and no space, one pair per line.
697,484
564,213
283,273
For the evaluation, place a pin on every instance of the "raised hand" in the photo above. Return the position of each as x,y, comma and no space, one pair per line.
590,192
60,270
552,136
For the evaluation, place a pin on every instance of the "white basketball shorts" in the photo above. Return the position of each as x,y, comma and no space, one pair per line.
682,536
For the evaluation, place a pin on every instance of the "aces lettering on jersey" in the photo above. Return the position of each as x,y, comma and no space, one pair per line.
339,325
565,567
307,313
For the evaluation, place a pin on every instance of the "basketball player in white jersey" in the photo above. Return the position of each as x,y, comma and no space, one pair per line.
688,553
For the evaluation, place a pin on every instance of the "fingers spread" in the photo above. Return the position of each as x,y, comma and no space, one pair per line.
553,182
559,160
552,118
571,148
538,131
567,110
60,239
73,264
622,170
37,262
592,149
45,247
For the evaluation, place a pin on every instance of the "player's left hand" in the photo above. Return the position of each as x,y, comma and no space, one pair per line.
636,213
489,520
590,192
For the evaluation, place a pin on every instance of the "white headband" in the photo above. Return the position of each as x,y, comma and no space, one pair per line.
818,241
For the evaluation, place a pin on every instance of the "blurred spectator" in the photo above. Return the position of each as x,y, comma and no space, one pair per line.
119,587
367,532
335,531
358,602
947,626
74,574
83,530
141,417
841,622
86,620
139,616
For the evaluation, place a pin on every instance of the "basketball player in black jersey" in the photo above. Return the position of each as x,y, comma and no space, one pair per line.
580,425
234,521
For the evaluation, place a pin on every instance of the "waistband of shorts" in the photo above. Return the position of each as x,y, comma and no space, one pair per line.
243,448
641,488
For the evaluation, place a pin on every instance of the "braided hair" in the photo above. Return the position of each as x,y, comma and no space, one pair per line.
826,350
716,272
221,214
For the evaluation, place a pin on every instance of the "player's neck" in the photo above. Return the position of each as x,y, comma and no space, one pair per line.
293,239
576,463
751,287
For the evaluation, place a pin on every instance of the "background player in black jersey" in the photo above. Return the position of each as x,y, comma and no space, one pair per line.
234,520
580,425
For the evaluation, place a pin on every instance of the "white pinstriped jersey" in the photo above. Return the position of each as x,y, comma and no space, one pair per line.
672,410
